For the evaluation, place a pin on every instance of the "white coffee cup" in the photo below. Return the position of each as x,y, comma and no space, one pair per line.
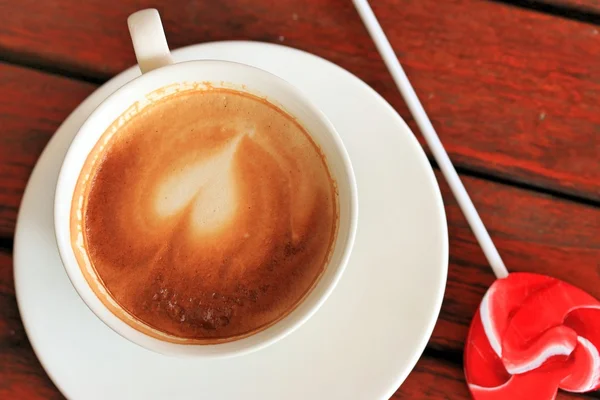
158,71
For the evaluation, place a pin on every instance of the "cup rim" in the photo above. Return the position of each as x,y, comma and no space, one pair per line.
93,302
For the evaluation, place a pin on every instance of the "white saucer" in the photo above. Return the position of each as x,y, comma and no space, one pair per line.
360,345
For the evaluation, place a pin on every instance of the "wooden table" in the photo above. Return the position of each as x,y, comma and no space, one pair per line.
513,88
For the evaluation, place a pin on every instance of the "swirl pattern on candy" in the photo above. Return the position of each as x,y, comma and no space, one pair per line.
532,335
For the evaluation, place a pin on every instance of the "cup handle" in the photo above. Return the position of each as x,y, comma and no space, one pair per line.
149,41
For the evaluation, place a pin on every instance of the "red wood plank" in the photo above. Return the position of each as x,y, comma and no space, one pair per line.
534,232
22,376
32,106
512,92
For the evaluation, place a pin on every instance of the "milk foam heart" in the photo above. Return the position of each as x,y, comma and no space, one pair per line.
208,187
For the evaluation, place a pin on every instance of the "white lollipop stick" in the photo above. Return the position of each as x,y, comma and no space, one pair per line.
431,137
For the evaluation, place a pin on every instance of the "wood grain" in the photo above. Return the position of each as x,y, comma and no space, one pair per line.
534,232
22,376
32,107
504,100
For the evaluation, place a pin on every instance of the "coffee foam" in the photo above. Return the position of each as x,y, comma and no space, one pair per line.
207,216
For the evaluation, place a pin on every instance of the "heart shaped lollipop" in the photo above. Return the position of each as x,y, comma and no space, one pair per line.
532,334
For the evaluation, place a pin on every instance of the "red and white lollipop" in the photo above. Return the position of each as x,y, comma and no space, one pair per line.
532,334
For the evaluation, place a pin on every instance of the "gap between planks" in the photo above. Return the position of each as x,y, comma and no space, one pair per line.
558,9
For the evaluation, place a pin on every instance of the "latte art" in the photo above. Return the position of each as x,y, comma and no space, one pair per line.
206,217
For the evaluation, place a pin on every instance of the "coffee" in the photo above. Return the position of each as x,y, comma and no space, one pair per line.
208,216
